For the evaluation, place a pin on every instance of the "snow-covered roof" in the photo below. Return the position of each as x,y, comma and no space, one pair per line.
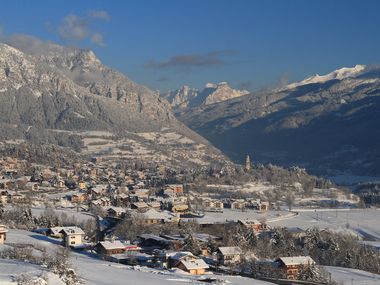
230,250
56,230
180,255
112,245
297,260
156,215
194,264
72,231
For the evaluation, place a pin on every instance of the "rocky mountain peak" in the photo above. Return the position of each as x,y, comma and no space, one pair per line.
186,97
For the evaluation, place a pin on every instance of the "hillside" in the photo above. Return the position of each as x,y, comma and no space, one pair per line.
328,124
64,95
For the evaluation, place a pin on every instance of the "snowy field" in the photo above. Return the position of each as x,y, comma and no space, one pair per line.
362,222
349,276
235,215
11,269
71,213
98,272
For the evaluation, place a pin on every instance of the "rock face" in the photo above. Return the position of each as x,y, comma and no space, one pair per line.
70,90
186,97
327,123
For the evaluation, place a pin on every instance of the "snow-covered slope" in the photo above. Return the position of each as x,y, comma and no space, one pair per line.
68,89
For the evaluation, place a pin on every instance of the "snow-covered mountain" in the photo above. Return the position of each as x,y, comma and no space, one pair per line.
338,74
325,123
187,97
59,94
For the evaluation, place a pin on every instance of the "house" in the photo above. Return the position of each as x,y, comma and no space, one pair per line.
97,191
110,247
82,185
291,265
79,197
104,202
4,194
176,188
186,261
155,205
3,234
55,232
72,236
154,241
153,216
116,212
264,206
139,206
194,266
238,204
253,224
228,255
212,205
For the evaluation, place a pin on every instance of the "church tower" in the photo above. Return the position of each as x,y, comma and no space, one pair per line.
247,163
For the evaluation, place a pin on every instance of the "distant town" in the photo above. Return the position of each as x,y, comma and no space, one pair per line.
162,218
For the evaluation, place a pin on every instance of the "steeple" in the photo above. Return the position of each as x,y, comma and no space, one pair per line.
247,163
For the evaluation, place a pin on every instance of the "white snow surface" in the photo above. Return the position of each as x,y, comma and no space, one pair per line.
361,222
340,74
349,276
99,272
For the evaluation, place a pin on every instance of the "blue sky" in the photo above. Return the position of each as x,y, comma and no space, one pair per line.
167,43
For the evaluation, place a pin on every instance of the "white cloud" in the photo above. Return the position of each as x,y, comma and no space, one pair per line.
77,28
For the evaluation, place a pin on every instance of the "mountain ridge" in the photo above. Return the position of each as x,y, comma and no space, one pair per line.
327,126
187,97
69,89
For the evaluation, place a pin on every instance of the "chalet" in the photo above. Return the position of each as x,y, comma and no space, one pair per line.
104,202
82,185
186,261
176,188
253,224
97,191
79,198
116,212
4,196
228,255
238,204
140,195
153,216
139,206
110,247
122,199
291,265
5,183
212,205
3,234
155,205
154,242
55,232
193,266
72,236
